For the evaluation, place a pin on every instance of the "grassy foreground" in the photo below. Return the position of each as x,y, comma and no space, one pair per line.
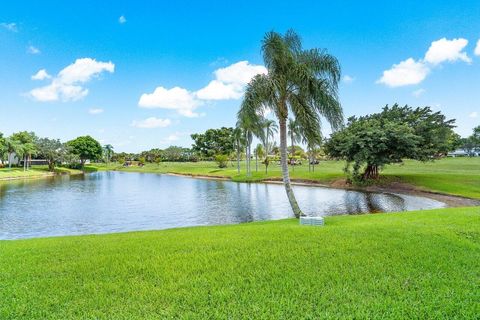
456,176
422,265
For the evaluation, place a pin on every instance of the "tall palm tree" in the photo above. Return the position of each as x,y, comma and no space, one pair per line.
248,125
303,82
239,143
28,149
108,150
12,147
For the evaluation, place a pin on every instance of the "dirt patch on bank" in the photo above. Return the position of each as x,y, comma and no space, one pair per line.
398,187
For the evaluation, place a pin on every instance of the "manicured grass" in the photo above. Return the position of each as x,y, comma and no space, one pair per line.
457,176
6,173
34,171
423,265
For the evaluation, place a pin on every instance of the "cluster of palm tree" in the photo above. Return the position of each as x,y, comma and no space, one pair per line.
21,145
263,129
301,83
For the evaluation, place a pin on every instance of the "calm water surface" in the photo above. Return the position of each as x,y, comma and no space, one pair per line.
105,202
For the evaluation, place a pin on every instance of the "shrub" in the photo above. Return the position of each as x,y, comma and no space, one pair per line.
221,160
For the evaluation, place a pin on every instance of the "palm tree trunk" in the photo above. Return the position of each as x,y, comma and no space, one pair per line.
238,160
266,153
256,161
250,157
293,154
286,176
246,159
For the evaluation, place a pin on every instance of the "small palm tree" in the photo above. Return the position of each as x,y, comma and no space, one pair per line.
269,130
108,150
259,153
301,82
294,131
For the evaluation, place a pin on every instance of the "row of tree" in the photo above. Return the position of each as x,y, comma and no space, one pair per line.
471,144
171,154
22,147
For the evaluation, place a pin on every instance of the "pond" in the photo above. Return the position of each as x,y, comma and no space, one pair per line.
105,202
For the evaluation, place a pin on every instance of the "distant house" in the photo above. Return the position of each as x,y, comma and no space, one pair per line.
463,153
14,160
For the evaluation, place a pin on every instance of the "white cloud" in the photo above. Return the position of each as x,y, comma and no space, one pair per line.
151,122
95,110
405,73
82,70
473,114
41,75
33,50
65,86
122,20
418,93
410,72
218,90
179,99
173,137
477,48
348,79
10,26
447,50
241,72
230,81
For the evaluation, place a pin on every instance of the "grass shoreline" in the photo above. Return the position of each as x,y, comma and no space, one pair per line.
421,264
458,177
36,172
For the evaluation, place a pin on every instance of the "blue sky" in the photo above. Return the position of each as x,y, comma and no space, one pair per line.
143,74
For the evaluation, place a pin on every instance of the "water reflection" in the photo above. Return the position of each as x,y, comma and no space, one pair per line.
114,201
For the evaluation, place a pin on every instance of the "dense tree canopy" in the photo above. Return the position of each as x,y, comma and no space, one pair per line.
86,148
214,141
471,144
396,133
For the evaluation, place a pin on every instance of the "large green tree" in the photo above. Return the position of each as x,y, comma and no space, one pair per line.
52,150
3,147
86,148
370,142
213,142
299,82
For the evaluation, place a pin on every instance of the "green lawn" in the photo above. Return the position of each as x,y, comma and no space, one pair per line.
6,173
33,172
457,176
422,265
